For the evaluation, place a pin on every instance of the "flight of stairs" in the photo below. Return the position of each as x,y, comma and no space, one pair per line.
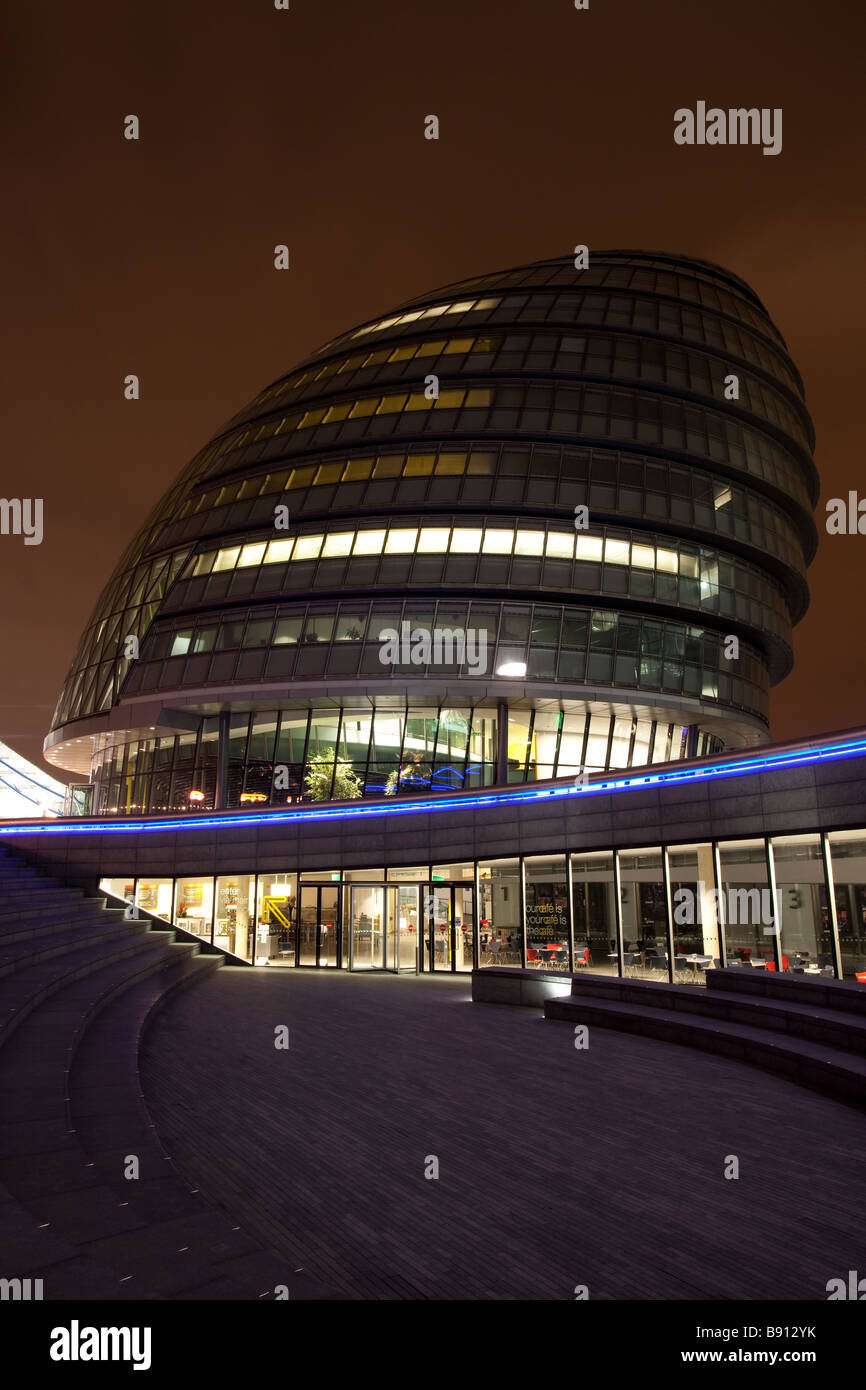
78,983
810,1031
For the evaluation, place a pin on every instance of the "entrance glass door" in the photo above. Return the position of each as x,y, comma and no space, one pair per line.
318,924
367,940
384,927
449,925
403,934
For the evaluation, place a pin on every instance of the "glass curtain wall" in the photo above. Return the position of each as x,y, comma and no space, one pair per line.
848,858
754,903
547,918
594,913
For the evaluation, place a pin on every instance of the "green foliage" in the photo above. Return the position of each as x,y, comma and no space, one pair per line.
320,773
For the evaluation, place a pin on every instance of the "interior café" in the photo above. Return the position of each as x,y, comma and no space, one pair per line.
790,903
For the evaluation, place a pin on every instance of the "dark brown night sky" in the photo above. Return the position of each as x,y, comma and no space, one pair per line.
260,126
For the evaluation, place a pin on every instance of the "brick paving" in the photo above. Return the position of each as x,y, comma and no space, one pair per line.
557,1167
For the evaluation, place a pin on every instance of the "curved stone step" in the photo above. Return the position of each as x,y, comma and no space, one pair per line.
803,1019
839,1074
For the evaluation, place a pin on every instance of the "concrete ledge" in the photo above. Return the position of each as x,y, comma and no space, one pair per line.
820,992
500,984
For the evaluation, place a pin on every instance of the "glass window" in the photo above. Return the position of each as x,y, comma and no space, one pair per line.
307,547
155,895
276,919
547,945
497,542
594,911
279,551
466,540
806,937
234,919
338,544
252,554
694,912
530,543
401,542
745,905
226,559
369,543
433,539
848,857
499,924
644,916
193,905
288,630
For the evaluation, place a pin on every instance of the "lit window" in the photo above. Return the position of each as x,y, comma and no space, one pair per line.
458,345
204,563
486,303
226,559
180,645
328,473
402,354
435,311
643,557
589,547
279,552
336,412
307,547
498,542
433,539
310,418
466,540
418,401
431,349
369,543
411,318
451,463
449,399
461,308
479,397
616,552
559,546
339,544
357,469
689,565
529,543
418,466
365,407
252,554
390,405
666,560
401,542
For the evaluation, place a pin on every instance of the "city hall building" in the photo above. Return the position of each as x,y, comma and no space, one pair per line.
530,541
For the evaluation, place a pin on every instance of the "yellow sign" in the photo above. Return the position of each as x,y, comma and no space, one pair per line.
269,905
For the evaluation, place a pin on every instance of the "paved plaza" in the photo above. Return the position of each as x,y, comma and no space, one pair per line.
556,1167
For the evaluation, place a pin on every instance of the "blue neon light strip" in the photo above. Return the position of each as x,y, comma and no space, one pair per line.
745,767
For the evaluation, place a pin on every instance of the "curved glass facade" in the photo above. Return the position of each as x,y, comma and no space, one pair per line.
426,472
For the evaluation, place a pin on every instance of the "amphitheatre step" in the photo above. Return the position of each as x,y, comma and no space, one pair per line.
844,996
25,953
839,1074
73,907
104,1079
39,1155
28,989
82,923
803,1019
